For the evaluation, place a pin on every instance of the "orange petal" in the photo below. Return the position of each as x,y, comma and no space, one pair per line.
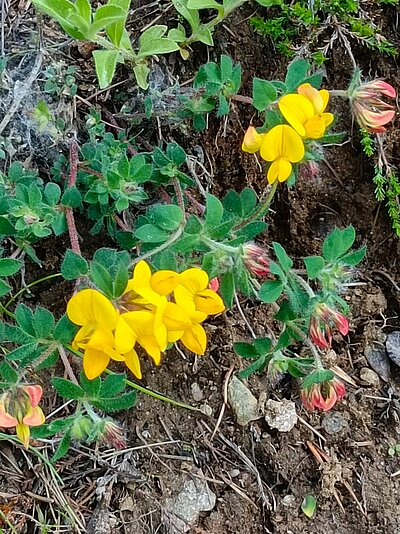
35,418
6,420
35,393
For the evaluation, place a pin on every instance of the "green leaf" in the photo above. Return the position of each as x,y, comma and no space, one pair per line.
338,242
314,265
285,313
252,229
223,106
214,211
4,288
285,262
101,278
296,73
317,377
205,4
73,266
9,266
106,63
258,365
308,506
120,280
166,216
72,198
112,385
91,387
227,289
249,200
22,352
65,330
63,447
84,10
149,233
67,389
49,430
52,193
24,317
263,345
270,291
49,361
8,373
6,228
264,93
354,258
116,404
43,323
152,42
245,350
141,72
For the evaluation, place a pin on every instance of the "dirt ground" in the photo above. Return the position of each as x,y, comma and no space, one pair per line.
259,476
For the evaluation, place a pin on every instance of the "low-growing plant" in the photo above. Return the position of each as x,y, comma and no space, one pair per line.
180,251
290,20
80,21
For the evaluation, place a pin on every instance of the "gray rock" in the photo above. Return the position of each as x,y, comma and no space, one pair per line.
369,376
194,497
393,347
281,414
377,358
197,394
335,423
242,401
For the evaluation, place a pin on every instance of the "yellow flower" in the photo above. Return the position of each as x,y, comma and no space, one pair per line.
19,408
98,318
196,281
304,111
281,145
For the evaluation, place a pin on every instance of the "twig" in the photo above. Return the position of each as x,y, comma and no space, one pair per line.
67,365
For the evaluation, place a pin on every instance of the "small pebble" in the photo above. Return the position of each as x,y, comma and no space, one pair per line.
334,423
281,414
197,393
377,358
369,377
393,347
289,501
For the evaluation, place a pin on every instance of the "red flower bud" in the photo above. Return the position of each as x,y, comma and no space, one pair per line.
370,111
323,396
322,323
255,259
113,435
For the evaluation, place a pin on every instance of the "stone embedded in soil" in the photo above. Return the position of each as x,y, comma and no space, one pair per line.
197,393
377,358
335,423
393,347
194,497
281,414
369,376
243,403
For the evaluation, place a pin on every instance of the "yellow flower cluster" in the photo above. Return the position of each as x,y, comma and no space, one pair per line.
283,144
154,310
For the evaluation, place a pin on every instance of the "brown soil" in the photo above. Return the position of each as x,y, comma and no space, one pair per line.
259,476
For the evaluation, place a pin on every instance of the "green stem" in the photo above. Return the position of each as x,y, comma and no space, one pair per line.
21,291
215,245
142,389
262,209
304,284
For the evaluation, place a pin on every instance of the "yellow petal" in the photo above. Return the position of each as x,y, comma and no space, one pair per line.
164,282
296,109
125,337
150,345
23,434
185,300
315,127
175,335
314,96
282,140
208,301
328,118
141,275
194,280
280,169
252,140
100,339
90,306
175,318
132,362
195,339
94,363
34,418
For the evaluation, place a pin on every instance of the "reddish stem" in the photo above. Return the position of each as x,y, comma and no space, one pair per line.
69,214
